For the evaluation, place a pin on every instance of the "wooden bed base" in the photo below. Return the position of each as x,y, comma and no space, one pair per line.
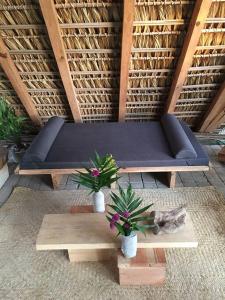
56,174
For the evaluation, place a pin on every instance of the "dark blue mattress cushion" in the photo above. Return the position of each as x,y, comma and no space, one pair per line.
177,138
132,144
38,150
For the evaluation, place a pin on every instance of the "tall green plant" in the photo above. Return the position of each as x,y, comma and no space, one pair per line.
11,125
127,214
102,173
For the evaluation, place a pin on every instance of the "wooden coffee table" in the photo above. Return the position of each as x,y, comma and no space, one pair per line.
87,237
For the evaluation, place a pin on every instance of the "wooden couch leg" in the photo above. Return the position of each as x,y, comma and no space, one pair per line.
172,179
56,178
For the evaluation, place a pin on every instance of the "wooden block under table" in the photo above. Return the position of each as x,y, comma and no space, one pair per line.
147,268
76,209
88,254
91,255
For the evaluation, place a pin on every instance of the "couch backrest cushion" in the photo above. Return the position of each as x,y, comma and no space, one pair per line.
179,142
42,143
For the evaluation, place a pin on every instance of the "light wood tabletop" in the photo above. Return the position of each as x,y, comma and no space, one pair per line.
91,231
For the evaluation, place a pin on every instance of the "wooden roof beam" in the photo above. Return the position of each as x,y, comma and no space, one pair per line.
20,88
51,20
216,112
127,35
196,25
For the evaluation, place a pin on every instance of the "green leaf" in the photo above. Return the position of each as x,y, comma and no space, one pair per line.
150,226
140,228
118,205
111,214
108,218
114,207
122,193
118,201
97,157
140,211
144,218
120,228
135,204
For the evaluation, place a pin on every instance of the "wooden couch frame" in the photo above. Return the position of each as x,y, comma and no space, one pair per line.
171,171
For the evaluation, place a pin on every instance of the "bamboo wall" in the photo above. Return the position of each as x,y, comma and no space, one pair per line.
91,32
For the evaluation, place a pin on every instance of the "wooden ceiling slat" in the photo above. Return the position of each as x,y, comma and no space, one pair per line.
196,25
128,18
20,88
50,16
215,114
94,56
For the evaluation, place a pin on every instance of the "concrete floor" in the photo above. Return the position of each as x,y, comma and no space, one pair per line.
215,177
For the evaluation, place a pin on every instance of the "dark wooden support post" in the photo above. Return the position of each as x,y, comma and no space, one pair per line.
51,20
200,13
128,17
20,88
215,115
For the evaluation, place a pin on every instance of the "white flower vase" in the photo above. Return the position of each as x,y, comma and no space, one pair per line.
99,201
129,245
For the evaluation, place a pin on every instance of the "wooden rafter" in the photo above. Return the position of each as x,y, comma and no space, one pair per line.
20,88
216,112
50,16
128,18
196,25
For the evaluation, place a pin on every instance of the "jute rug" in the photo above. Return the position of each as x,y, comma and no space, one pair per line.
28,274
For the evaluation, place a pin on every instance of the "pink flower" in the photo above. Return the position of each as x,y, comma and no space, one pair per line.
126,225
95,173
115,217
112,225
126,214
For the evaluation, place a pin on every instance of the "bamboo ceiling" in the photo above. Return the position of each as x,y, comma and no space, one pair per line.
91,32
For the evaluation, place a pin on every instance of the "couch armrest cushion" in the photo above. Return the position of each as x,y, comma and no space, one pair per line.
179,142
42,143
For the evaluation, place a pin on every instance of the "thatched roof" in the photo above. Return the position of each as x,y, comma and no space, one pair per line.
93,50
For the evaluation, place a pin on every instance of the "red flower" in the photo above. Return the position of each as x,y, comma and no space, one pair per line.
115,217
126,225
95,173
126,214
112,225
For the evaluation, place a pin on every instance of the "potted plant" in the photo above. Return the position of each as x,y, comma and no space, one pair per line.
11,127
125,217
102,174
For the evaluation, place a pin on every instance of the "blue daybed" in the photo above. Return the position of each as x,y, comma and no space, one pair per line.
167,145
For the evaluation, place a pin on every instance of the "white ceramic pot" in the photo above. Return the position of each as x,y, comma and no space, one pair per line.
99,201
129,245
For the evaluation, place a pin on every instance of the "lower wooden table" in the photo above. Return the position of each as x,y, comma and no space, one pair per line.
87,237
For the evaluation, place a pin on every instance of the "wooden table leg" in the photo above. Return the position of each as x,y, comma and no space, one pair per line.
172,179
56,178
